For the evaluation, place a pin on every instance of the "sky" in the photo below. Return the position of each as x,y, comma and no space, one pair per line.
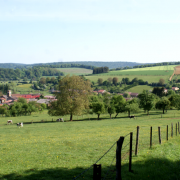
42,31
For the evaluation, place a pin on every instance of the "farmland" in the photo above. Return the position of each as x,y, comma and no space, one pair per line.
150,79
53,150
150,74
140,88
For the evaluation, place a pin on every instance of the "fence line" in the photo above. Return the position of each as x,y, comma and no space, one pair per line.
155,137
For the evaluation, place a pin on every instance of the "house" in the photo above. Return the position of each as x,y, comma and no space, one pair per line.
50,97
175,88
165,91
134,94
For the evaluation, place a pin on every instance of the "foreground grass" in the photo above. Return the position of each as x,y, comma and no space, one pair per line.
53,150
160,162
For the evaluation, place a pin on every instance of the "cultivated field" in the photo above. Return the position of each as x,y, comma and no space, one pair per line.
177,70
75,71
54,150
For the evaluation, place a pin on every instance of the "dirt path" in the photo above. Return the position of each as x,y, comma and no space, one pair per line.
176,72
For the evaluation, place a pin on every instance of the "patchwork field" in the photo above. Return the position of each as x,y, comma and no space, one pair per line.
75,71
54,150
150,74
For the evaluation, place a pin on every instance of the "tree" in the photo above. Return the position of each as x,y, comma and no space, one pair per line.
100,81
3,110
98,108
109,104
115,80
73,97
163,103
147,101
126,95
119,104
22,100
110,80
161,81
132,106
42,81
158,91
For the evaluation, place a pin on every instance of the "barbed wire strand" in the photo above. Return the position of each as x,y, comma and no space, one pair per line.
82,172
125,146
105,153
96,161
126,135
109,167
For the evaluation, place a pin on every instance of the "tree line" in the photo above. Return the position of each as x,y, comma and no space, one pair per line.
21,108
30,73
75,97
100,70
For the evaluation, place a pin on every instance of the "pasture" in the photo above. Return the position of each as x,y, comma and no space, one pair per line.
150,74
140,88
57,150
75,71
150,79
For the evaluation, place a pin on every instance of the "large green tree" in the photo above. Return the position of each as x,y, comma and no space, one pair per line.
163,104
132,106
119,103
72,98
147,101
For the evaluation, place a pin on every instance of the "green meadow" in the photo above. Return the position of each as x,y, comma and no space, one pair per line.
140,88
150,74
150,79
55,150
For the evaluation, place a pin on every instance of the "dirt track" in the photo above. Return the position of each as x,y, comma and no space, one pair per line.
176,71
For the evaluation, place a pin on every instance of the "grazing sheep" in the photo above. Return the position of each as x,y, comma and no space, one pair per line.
9,122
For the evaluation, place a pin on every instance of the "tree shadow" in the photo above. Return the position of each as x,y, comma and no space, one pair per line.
153,169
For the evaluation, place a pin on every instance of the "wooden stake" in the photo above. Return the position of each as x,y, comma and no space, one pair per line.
159,133
150,136
137,141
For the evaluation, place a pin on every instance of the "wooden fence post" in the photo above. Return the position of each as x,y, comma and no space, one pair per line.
130,152
171,129
96,171
118,158
176,129
167,133
137,141
150,136
159,134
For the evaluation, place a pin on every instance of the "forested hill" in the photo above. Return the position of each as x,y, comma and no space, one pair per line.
83,64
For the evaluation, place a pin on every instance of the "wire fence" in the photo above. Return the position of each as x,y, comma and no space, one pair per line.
139,139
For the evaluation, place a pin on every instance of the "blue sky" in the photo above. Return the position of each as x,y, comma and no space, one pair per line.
41,31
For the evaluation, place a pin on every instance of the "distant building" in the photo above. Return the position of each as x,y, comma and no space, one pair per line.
175,88
134,94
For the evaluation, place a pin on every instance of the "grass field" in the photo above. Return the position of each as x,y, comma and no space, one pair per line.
75,71
140,88
54,150
150,74
150,79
